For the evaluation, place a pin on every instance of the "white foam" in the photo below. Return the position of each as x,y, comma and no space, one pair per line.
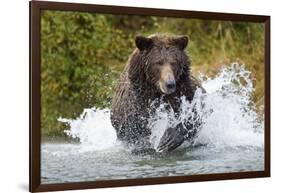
229,116
93,128
234,120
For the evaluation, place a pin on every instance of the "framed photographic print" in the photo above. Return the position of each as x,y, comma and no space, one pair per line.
123,96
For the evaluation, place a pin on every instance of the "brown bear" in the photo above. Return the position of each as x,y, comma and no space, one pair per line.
158,68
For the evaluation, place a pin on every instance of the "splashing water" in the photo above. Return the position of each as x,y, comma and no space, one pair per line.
230,139
230,118
234,120
93,129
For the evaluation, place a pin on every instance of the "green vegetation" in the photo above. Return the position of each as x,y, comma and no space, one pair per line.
83,54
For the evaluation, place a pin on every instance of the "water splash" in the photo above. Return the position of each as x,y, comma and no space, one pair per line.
234,120
230,118
163,118
93,129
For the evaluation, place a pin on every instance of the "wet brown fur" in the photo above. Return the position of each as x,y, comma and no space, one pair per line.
138,88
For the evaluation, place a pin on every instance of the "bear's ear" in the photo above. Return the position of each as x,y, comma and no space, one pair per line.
181,42
143,43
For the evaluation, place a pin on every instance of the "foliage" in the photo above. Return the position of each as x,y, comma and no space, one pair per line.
83,54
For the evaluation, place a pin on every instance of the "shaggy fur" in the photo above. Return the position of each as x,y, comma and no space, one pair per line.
138,87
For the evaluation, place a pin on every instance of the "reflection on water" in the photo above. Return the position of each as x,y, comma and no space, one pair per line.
71,163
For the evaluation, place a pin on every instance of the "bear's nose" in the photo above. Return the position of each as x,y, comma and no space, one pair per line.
171,84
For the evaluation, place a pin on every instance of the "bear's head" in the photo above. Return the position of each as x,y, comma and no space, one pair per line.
159,62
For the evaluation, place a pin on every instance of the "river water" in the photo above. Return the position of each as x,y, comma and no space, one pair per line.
230,140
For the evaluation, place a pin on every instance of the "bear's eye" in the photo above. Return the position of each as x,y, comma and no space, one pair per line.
159,63
173,63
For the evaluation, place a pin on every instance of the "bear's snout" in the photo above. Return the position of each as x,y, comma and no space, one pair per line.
171,85
167,82
168,86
